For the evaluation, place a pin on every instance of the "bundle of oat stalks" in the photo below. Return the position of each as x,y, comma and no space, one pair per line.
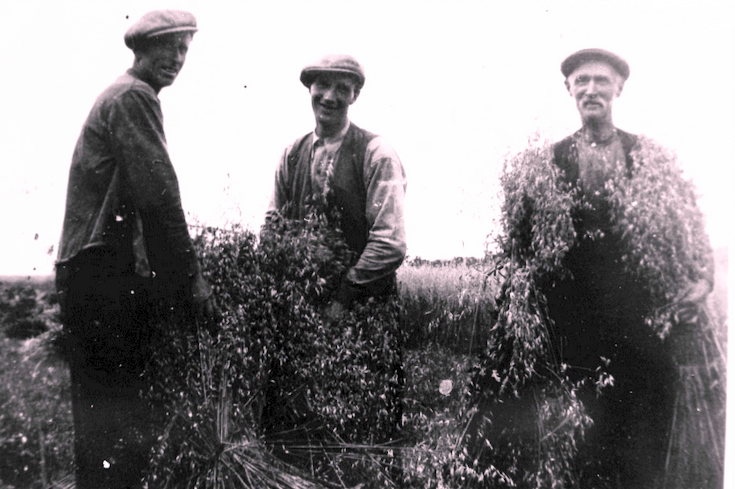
695,456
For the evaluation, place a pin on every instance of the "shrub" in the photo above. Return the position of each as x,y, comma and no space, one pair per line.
436,416
528,418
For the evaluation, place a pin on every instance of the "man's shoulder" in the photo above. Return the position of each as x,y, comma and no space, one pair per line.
354,134
380,152
628,139
578,133
297,144
125,87
562,148
359,131
569,140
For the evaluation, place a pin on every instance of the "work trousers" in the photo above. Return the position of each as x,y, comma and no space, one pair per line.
106,312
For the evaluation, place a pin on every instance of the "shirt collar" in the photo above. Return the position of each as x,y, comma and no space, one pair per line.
585,138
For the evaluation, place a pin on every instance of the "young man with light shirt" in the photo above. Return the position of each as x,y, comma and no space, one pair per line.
342,169
355,172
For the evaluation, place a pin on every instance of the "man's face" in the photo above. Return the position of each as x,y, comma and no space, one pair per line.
331,97
159,62
594,85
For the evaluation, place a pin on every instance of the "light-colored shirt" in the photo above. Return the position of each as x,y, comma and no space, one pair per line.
324,154
385,186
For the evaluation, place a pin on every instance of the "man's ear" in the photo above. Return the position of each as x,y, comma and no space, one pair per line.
621,83
569,87
354,96
137,55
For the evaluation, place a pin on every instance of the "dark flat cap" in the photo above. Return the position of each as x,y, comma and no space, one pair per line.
334,63
159,22
585,55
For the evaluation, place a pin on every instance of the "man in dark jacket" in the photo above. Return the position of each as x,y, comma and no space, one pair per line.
125,249
599,309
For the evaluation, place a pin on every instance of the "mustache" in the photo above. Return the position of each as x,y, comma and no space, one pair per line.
331,105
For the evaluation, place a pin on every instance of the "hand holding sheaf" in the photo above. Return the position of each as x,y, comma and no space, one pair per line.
690,300
205,305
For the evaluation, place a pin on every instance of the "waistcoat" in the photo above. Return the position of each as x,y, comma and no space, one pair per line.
566,155
347,193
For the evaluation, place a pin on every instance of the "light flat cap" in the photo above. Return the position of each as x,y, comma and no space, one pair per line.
585,55
157,23
334,63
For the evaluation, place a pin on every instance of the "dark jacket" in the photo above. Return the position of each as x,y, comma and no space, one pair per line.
123,194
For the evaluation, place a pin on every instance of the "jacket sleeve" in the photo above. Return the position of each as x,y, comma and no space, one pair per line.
385,182
136,130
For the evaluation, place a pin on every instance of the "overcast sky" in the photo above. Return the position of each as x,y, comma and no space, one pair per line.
453,85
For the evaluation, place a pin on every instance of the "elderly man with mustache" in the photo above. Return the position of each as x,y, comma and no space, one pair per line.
125,253
599,309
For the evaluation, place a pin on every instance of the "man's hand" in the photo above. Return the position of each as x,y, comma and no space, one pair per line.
205,305
691,299
334,311
697,292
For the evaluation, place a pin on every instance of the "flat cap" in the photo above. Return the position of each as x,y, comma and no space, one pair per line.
157,23
585,55
334,63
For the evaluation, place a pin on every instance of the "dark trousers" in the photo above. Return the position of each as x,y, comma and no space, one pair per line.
626,446
106,312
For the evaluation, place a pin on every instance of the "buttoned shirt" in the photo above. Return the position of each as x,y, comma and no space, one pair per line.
324,153
597,162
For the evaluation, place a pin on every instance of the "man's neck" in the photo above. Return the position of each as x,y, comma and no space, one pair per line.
598,132
136,73
331,131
